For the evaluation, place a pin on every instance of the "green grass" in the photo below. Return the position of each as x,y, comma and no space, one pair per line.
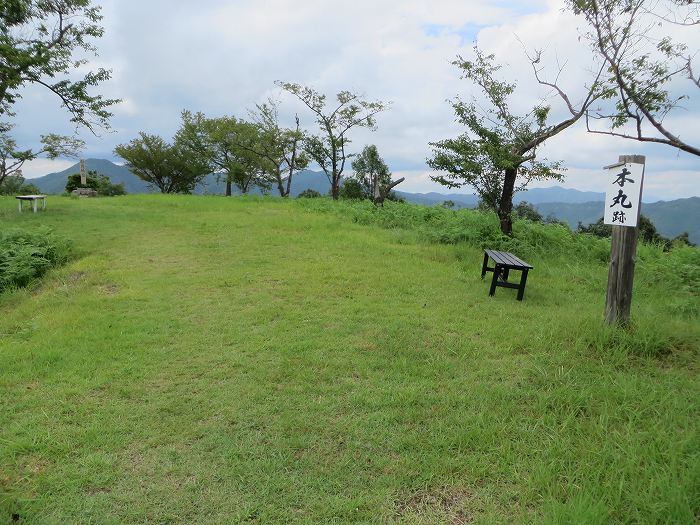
213,360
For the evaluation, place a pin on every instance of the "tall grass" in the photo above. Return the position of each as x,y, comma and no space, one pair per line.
26,255
239,360
677,270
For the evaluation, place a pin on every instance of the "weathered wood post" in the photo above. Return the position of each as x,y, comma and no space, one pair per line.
382,193
622,207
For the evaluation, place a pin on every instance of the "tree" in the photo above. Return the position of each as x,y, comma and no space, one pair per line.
309,193
647,232
164,166
500,147
525,210
226,145
373,174
371,171
328,149
17,185
52,146
352,189
38,41
644,65
280,149
98,182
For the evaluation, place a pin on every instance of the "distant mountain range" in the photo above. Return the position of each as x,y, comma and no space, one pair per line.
671,218
533,196
56,182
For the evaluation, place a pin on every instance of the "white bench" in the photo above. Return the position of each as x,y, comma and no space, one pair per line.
33,200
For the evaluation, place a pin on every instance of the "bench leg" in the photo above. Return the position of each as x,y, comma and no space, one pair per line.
521,288
506,272
494,281
20,206
486,265
34,205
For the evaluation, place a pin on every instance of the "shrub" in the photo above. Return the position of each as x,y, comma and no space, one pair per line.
525,210
309,194
25,256
17,185
352,189
100,183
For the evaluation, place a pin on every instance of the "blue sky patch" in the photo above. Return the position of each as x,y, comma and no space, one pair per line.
467,33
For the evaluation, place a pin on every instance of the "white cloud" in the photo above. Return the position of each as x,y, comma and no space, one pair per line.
221,57
40,167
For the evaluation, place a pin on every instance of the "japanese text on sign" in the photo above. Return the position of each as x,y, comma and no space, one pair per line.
623,194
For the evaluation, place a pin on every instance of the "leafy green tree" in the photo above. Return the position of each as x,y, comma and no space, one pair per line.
279,149
525,210
309,194
227,146
12,158
73,181
96,181
371,171
352,189
497,156
682,239
17,185
41,43
329,148
165,166
647,232
631,38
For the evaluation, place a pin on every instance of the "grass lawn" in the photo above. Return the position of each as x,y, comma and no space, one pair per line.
213,360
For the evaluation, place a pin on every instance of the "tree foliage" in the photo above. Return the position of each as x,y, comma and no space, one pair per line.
226,145
17,185
279,149
12,158
309,193
647,233
371,172
96,181
497,155
651,74
329,148
39,41
165,166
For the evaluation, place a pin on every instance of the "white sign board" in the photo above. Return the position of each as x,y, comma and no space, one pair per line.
623,194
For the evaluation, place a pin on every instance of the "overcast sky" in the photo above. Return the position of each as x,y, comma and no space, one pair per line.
222,57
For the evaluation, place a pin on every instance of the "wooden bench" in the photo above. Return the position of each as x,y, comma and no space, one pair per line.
504,263
32,199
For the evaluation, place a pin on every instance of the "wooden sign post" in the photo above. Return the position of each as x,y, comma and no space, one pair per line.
622,206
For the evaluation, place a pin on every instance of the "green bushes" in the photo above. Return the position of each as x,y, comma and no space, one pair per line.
100,183
658,268
474,227
27,255
17,185
309,194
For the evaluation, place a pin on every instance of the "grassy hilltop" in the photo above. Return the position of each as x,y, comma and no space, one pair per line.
253,360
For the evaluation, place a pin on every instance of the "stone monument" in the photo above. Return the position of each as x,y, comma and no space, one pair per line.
83,190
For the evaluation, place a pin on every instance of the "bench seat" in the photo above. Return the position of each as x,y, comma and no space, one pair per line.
504,262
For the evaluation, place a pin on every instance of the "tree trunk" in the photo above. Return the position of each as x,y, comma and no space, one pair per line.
505,207
335,188
228,187
381,195
288,189
280,183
